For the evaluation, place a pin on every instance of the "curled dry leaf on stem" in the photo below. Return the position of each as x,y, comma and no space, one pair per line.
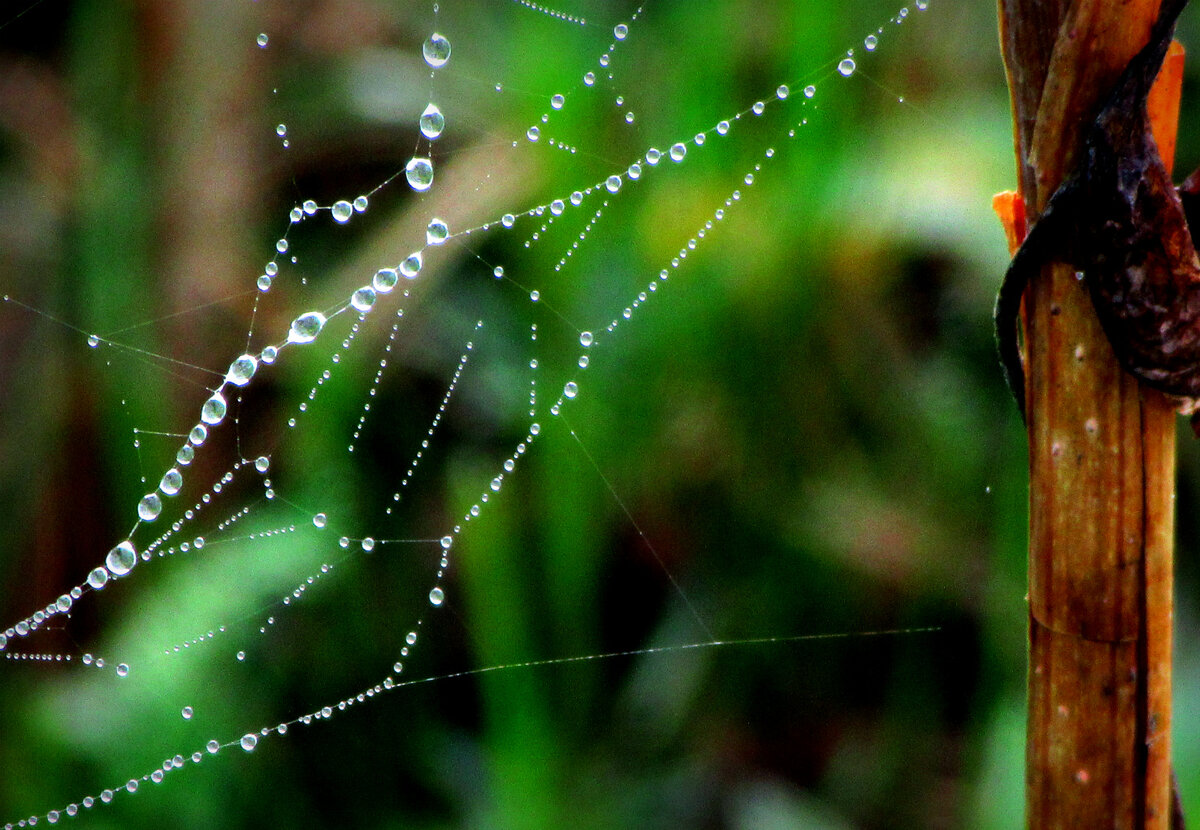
1119,221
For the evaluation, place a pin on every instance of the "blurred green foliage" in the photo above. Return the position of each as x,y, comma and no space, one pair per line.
804,426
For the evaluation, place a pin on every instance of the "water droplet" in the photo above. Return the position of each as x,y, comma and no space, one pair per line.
810,91
198,435
846,67
437,596
437,232
557,207
363,299
171,481
498,272
589,78
122,671
586,339
385,280
97,579
613,183
306,327
782,92
320,520
678,151
121,559
281,130
419,172
533,133
758,108
310,208
93,341
446,542
620,31
241,370
360,204
535,295
508,220
634,171
213,410
269,354
187,712
432,122
871,42
262,40
212,747
411,265
571,389
249,741
436,50
342,211
557,101
240,656
149,507
368,544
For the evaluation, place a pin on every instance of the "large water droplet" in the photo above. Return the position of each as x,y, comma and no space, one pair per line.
419,172
620,31
123,671
97,579
557,101
363,299
306,327
436,50
262,40
871,42
446,542
678,151
121,559
171,481
846,67
411,265
432,122
385,280
613,183
249,741
149,507
437,232
437,596
241,370
571,389
213,410
533,133
187,712
586,338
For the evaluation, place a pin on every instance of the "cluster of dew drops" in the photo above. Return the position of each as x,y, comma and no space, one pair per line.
304,329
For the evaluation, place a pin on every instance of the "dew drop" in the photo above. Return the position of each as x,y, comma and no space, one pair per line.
360,204
758,108
242,370
368,545
810,91
533,133
437,232
419,172
306,327
613,183
149,507
782,92
871,42
557,207
678,151
432,122
262,40
342,211
653,155
97,579
557,101
171,482
185,455
446,542
249,741
385,280
93,341
508,220
262,464
586,339
122,670
213,410
121,559
589,78
571,389
411,265
437,596
198,435
213,747
320,520
187,712
846,67
363,299
436,50
620,31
